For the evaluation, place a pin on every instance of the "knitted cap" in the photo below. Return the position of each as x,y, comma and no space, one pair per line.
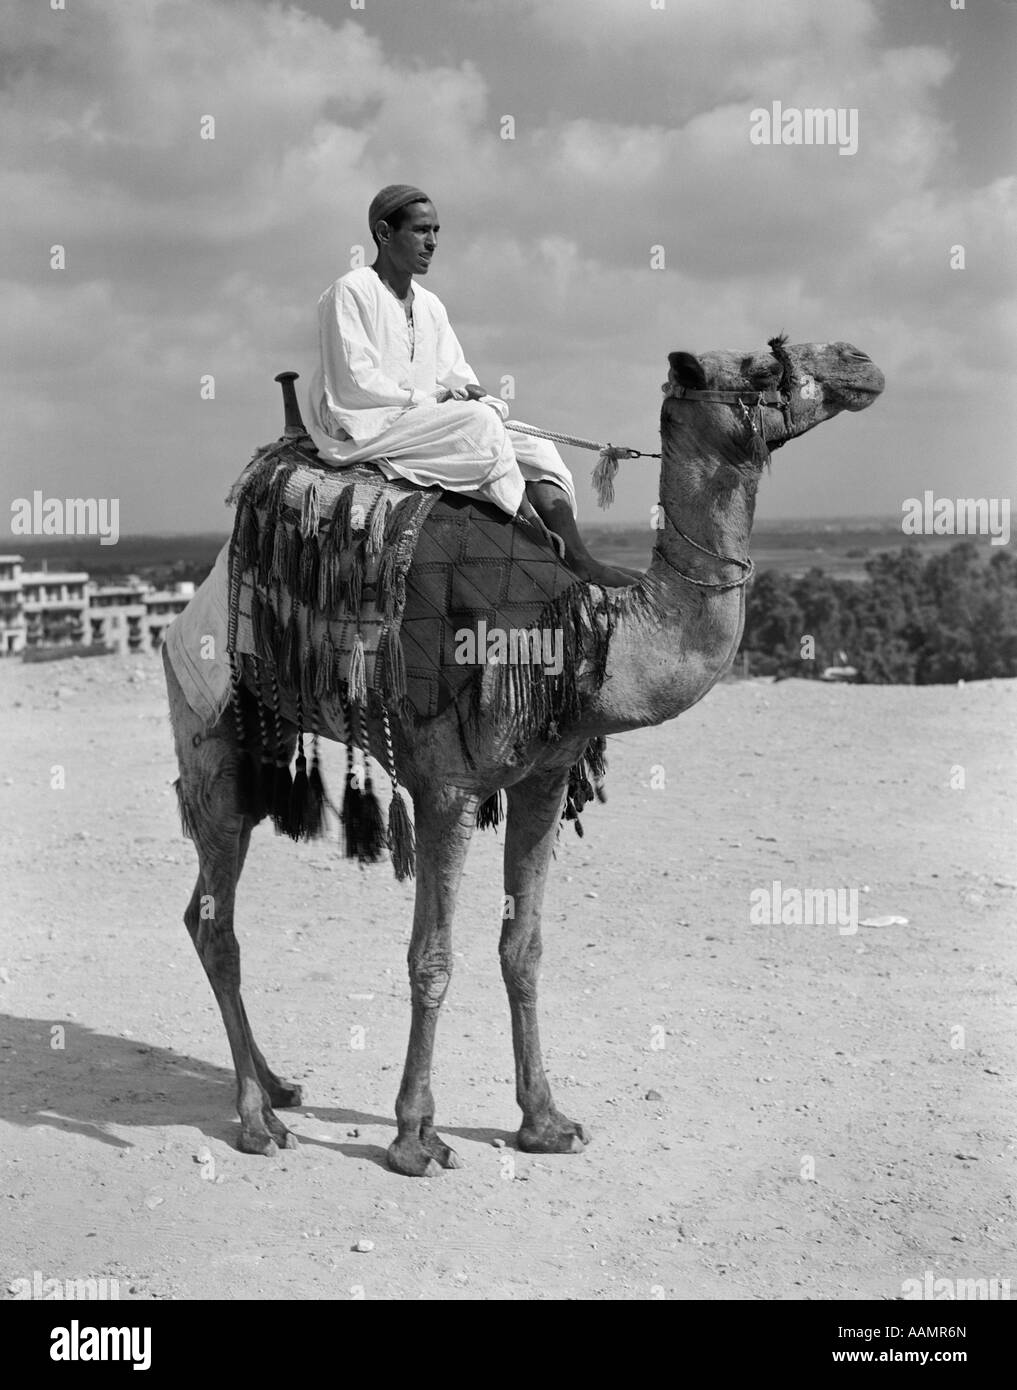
391,198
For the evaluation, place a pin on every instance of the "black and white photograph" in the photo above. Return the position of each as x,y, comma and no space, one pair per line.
508,665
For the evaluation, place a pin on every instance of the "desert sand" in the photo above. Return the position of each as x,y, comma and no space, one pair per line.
778,1112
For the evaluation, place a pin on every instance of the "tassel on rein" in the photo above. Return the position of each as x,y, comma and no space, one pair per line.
604,475
607,465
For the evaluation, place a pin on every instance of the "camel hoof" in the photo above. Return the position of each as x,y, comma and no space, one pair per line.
254,1141
421,1158
266,1135
440,1151
557,1135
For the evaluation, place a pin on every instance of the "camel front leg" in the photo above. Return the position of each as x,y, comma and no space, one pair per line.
534,809
444,820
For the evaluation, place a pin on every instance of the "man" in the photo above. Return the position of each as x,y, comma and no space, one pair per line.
394,387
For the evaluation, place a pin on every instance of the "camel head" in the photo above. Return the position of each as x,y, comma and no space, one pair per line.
731,402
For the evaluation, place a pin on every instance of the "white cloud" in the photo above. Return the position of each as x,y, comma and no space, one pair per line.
186,256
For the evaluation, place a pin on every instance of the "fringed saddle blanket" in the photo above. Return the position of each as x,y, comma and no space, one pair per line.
349,594
318,565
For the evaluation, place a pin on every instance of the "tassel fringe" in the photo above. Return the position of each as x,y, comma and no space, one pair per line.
358,673
401,842
604,475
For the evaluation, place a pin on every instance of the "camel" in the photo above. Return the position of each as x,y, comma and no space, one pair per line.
673,635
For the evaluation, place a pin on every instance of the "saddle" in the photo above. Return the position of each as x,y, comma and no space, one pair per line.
352,597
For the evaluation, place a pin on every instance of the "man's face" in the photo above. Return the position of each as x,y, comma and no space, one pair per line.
411,247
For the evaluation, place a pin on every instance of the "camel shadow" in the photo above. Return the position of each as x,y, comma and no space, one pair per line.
76,1080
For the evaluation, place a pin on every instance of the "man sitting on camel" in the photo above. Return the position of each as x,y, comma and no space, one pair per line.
394,387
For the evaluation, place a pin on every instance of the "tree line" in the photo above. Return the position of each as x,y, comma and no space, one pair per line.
911,621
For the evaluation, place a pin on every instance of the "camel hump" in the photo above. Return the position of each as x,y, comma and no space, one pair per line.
294,428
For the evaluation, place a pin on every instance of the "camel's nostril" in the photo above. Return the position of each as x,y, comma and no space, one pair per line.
860,356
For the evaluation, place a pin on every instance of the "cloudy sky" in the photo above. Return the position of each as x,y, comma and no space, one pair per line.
187,257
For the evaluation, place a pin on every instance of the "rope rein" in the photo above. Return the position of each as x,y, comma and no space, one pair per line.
559,438
607,464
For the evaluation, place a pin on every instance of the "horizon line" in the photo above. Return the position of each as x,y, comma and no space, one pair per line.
869,517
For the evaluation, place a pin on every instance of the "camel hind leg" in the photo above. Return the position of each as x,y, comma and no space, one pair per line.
208,801
282,1095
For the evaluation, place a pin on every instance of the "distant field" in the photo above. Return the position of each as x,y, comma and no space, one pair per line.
790,547
840,548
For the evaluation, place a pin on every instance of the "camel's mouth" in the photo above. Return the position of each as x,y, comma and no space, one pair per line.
860,397
860,380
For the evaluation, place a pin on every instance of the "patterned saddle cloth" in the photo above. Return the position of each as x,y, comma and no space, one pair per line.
354,587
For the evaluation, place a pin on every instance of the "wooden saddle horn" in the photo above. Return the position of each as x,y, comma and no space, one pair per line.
294,428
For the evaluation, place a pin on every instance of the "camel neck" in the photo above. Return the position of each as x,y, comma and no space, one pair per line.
706,505
676,633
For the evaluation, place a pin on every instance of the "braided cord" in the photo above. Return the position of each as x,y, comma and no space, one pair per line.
558,438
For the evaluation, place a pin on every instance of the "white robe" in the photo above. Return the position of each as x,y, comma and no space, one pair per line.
373,397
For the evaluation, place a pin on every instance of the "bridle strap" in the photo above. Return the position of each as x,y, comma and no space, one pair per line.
750,401
747,397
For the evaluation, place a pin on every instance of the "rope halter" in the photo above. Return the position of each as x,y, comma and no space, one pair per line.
752,402
747,565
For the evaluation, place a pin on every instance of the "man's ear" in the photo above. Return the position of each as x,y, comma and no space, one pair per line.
686,370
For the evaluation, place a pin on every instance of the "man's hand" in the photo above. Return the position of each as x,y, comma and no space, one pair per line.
472,392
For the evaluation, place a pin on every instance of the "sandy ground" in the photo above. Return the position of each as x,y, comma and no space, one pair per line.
881,1061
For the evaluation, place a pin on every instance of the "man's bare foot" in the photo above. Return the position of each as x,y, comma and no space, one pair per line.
591,571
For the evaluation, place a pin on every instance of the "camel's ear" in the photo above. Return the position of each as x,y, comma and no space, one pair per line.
686,370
